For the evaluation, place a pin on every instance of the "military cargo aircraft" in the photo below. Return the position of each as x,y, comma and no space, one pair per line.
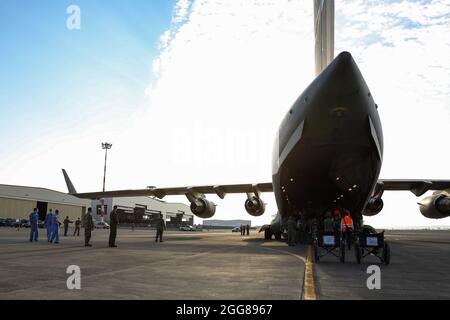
327,153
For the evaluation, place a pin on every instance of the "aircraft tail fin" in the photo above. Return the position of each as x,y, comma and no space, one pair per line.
324,33
69,183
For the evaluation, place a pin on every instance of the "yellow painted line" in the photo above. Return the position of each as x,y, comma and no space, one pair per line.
309,292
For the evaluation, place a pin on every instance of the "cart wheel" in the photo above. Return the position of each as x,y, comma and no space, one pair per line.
342,252
386,254
316,253
358,253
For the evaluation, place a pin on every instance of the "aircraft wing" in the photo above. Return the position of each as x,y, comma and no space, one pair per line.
219,190
418,187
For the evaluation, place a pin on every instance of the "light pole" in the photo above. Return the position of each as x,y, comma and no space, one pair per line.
105,146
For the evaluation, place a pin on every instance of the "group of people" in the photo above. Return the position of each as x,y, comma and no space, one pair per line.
245,229
337,222
89,227
341,224
52,225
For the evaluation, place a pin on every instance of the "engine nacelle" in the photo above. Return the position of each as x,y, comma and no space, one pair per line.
436,206
203,208
255,206
373,207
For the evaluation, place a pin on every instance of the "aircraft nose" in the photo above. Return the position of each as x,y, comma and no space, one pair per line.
342,99
345,56
344,76
343,64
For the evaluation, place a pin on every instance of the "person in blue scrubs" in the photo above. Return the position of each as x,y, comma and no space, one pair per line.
48,224
34,218
55,227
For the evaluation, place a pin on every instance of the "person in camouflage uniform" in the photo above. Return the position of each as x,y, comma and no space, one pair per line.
88,227
160,227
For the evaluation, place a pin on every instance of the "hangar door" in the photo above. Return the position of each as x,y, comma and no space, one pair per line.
42,207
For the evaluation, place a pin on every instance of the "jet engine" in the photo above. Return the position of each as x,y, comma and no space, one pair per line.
373,207
255,206
436,206
203,208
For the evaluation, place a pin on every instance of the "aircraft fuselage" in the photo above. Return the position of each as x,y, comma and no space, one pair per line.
329,148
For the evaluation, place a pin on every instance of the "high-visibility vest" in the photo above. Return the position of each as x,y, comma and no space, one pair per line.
346,222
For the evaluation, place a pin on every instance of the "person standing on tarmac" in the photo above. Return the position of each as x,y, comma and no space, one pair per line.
34,217
55,227
160,227
298,225
88,228
291,226
314,229
113,222
337,223
248,229
347,228
48,224
77,227
328,224
66,225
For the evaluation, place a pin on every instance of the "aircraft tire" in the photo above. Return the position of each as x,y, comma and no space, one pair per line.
267,234
278,236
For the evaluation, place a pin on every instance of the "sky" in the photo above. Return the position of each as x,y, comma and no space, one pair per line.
192,92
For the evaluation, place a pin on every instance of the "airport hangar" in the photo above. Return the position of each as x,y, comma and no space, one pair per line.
225,224
19,201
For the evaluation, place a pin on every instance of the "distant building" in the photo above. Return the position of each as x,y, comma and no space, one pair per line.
143,210
19,202
225,223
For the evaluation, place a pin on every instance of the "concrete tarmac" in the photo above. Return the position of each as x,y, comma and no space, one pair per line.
215,265
418,270
187,265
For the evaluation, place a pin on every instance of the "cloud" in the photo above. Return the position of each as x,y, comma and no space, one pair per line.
402,49
236,66
181,11
224,78
226,74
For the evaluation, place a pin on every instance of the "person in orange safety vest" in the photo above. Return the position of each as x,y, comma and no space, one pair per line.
347,228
